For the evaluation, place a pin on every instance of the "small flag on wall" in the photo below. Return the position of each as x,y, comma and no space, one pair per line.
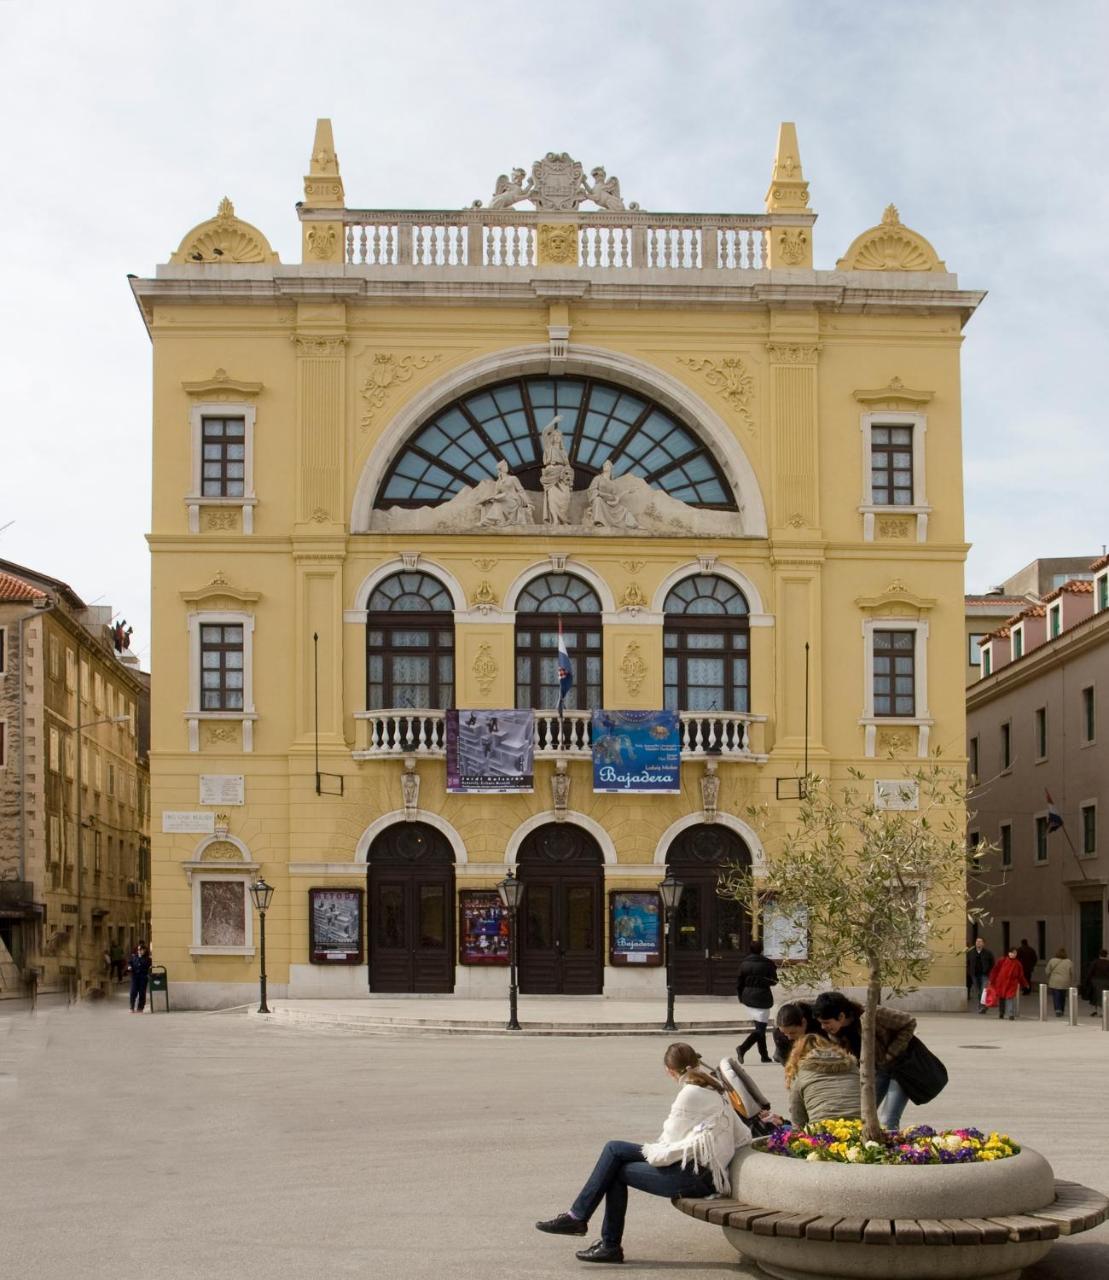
1054,817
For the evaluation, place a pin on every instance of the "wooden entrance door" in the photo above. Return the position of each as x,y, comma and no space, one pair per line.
411,910
711,934
561,925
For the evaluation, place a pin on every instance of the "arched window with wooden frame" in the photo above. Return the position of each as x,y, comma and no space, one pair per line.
706,646
538,608
409,643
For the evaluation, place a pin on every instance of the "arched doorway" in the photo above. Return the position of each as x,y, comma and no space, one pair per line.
561,924
712,934
411,910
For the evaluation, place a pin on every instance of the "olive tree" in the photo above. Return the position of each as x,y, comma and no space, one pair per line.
875,878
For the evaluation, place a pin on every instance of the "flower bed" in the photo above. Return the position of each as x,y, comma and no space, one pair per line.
841,1141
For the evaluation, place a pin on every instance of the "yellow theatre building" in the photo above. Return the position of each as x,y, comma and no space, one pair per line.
386,475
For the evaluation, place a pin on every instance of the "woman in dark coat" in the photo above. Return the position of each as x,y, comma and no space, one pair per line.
140,976
757,974
794,1020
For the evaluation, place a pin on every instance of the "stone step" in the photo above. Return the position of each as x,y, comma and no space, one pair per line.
375,1024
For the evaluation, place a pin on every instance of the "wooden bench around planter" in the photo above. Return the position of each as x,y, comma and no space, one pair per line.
1075,1208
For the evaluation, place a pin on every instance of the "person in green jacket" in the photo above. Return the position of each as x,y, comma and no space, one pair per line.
823,1082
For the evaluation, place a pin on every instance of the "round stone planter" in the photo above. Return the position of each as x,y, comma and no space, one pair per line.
1020,1184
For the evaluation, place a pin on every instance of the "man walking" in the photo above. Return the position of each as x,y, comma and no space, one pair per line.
1027,957
979,963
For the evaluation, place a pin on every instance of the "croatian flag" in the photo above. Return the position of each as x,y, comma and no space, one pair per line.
1054,817
565,670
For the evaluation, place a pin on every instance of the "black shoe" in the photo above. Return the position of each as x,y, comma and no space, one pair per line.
766,1059
598,1251
739,1054
563,1225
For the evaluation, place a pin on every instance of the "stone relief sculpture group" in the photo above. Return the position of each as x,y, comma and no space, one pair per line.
557,183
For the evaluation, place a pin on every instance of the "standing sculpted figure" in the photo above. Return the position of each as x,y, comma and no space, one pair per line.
557,476
510,191
605,506
507,503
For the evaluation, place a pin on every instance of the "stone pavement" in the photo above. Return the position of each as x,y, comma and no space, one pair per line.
234,1148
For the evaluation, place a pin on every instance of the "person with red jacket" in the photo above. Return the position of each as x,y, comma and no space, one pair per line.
1006,980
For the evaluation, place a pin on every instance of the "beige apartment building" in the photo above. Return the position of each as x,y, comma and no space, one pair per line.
1037,725
74,788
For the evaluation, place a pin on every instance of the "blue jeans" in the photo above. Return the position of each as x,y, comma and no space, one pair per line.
1059,999
891,1098
978,985
620,1166
138,992
1008,1007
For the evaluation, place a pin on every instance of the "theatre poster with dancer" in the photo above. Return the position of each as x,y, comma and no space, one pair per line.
490,752
637,751
483,932
335,926
635,927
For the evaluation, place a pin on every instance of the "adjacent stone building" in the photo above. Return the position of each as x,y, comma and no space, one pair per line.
74,788
1036,726
387,476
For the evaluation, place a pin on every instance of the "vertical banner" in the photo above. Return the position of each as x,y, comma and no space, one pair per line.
637,751
490,752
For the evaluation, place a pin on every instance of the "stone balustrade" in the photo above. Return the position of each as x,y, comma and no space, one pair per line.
397,732
623,241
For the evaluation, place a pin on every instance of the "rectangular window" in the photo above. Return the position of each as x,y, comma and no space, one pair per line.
1101,592
3,650
85,776
1089,829
54,838
973,841
111,779
70,752
223,461
1017,636
1005,939
97,772
891,466
1041,839
1040,728
70,669
1089,725
1041,938
97,691
221,667
55,658
1054,620
3,743
972,762
55,751
974,648
111,700
987,660
1005,841
84,680
1006,746
895,673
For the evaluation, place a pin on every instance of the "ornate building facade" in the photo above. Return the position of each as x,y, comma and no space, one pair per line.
387,476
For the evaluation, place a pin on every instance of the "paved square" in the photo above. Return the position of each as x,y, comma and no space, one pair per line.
213,1145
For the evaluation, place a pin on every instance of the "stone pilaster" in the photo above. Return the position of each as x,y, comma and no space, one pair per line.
793,392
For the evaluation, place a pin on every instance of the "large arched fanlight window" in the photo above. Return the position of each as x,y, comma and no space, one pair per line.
409,643
462,444
539,606
706,664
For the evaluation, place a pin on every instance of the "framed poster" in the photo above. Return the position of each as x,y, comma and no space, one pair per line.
490,752
335,926
784,937
637,751
635,927
483,929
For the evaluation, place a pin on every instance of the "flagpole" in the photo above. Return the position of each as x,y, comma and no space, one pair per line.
561,695
1062,826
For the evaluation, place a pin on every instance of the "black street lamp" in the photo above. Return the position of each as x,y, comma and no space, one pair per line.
671,893
262,893
512,894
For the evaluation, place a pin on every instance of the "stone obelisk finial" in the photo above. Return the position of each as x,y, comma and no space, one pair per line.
790,247
323,189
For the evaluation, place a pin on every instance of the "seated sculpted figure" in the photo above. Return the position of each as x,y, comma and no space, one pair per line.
507,503
605,506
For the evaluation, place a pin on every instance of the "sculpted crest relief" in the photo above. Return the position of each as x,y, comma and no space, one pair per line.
557,184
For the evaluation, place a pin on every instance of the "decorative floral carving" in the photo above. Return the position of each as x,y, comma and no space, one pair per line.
792,352
220,580
633,597
386,371
320,516
890,743
731,378
890,246
219,520
558,244
633,669
322,240
896,587
796,521
330,348
633,566
485,668
221,851
484,598
484,563
892,527
222,823
217,733
792,245
224,239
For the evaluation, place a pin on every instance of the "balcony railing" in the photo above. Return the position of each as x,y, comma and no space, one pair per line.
631,240
394,733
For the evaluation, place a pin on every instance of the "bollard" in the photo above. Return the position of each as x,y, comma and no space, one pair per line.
1043,1001
1072,1006
1105,1010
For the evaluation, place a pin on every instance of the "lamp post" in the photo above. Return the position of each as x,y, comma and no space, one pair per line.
511,891
671,893
261,893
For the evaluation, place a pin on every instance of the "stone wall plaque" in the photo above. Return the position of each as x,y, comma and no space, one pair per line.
222,788
188,822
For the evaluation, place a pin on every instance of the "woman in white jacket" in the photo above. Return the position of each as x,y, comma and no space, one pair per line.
689,1158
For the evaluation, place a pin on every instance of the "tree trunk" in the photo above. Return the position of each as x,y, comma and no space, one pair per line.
872,1130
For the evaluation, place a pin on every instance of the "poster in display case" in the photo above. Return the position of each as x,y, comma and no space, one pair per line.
335,926
635,927
483,927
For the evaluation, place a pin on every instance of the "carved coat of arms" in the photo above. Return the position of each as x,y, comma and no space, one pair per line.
556,182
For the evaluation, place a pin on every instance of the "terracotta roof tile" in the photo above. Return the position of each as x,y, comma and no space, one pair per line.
13,588
1099,564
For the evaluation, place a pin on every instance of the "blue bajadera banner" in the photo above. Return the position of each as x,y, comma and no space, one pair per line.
637,751
490,752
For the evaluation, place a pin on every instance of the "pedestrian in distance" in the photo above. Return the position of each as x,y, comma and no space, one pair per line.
690,1158
140,976
118,959
1097,980
1027,956
980,961
757,974
1060,978
841,1021
823,1082
794,1020
1006,978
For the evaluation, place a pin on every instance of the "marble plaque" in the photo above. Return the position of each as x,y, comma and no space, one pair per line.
222,788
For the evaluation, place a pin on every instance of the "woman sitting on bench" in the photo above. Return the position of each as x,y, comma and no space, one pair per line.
690,1158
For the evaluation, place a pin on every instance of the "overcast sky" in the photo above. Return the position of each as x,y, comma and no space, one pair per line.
124,124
